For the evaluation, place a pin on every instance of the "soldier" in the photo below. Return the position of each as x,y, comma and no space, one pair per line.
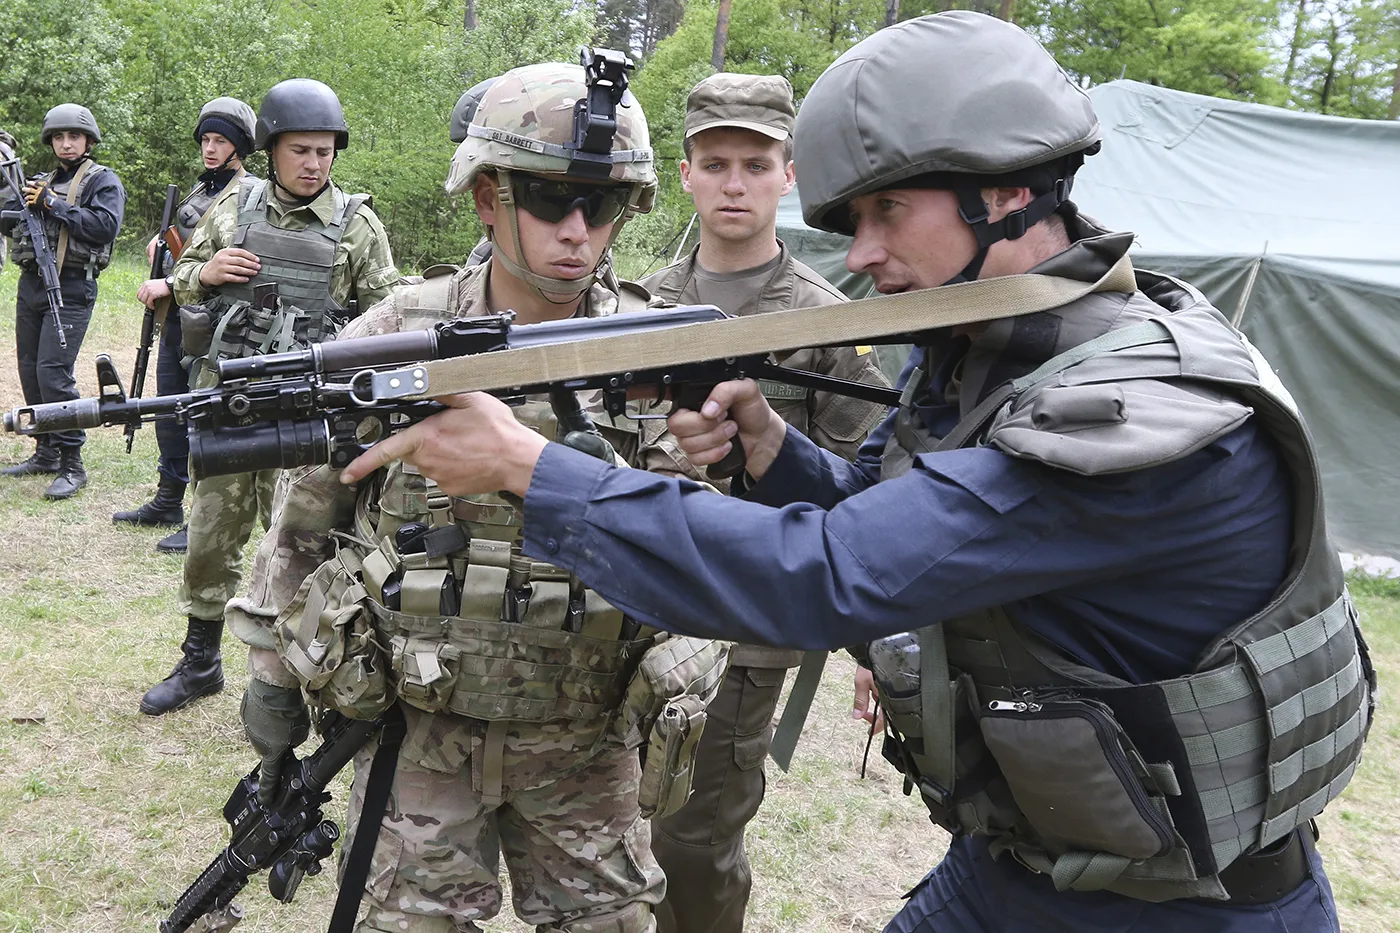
521,740
1088,551
738,163
327,253
224,132
81,204
7,152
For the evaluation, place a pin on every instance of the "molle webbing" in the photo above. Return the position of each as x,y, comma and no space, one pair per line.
70,254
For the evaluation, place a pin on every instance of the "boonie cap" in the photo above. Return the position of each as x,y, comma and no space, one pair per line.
762,103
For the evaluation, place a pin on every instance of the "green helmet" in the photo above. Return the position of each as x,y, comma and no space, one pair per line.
526,121
230,117
70,117
955,100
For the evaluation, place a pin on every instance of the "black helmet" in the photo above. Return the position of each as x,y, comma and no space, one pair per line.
466,109
70,117
300,105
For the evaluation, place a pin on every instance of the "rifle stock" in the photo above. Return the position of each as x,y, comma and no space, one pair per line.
172,238
154,317
328,403
12,177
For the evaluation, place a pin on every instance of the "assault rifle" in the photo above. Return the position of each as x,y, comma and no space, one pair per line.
154,318
331,401
287,839
12,177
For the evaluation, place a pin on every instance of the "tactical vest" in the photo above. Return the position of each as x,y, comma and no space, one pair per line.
81,255
432,601
1145,790
299,262
196,204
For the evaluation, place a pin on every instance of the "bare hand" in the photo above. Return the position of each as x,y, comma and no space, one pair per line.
151,291
476,446
151,248
229,265
733,409
867,702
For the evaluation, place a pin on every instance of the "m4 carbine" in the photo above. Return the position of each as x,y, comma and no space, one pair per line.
331,401
11,177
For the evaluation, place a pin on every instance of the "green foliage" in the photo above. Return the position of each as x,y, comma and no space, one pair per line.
55,51
1214,47
511,33
1346,53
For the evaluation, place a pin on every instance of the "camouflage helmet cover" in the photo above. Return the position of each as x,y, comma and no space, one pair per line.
231,109
526,117
70,117
957,92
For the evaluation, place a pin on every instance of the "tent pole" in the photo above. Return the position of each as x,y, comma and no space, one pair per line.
1240,306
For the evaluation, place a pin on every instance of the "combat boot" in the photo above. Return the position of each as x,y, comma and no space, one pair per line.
200,673
175,543
167,508
71,475
45,459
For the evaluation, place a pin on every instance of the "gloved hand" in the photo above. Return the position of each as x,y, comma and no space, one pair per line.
275,721
591,443
38,194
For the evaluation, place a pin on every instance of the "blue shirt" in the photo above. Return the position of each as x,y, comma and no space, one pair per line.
1133,574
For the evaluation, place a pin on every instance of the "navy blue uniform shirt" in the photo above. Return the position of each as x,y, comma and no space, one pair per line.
1132,574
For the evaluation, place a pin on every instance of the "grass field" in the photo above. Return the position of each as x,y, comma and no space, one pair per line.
105,814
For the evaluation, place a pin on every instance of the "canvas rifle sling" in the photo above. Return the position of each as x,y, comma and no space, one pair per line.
850,323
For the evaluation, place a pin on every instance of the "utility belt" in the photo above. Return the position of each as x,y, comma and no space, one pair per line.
1154,791
525,643
222,328
87,271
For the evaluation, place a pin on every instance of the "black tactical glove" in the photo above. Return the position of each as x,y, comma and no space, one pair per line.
275,721
38,194
591,443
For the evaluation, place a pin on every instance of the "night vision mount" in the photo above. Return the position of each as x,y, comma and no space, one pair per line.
595,116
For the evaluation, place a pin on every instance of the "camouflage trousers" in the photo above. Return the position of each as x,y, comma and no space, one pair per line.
562,810
221,521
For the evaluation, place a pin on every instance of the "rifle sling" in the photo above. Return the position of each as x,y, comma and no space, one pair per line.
853,322
71,199
376,802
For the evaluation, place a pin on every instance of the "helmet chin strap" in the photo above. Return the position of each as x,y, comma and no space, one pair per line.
544,285
1013,226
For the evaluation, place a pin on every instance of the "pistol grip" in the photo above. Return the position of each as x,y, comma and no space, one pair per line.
693,396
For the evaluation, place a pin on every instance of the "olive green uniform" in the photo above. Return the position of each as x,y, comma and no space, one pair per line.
225,507
702,845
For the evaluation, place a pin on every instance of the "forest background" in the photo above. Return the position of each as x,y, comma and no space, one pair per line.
145,67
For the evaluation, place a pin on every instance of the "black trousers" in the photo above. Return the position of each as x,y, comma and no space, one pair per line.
45,368
172,379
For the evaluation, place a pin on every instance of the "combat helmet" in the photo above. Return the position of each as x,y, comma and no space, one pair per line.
70,117
224,114
300,105
465,110
551,120
958,100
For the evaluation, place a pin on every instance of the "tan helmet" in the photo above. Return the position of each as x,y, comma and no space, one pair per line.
955,100
525,122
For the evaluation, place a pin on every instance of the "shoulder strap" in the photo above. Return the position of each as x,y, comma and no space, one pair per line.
72,198
252,196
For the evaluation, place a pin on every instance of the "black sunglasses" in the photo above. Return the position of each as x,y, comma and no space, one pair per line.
552,200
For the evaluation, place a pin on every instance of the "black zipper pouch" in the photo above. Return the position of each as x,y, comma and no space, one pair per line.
1076,776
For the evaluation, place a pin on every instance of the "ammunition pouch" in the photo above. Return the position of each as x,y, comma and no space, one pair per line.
197,323
224,329
664,711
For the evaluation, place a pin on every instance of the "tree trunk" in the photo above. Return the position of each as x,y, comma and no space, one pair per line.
469,17
1394,111
1333,53
721,34
891,12
1007,11
1295,46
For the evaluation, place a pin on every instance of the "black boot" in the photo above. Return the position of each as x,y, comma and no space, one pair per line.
176,543
167,508
71,475
45,459
200,673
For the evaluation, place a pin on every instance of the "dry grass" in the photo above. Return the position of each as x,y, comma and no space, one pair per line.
105,815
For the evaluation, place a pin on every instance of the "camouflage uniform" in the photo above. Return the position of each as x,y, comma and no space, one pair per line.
225,507
521,704
566,815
